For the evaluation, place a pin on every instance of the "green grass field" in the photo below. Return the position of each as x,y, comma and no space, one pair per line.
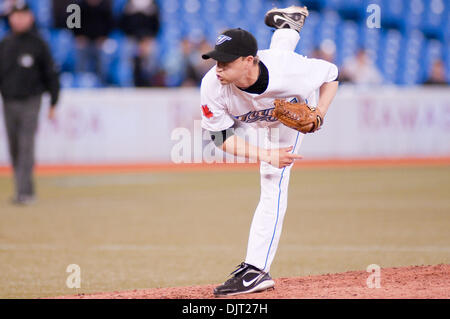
132,231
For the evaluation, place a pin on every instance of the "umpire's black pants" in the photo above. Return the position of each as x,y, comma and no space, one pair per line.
21,120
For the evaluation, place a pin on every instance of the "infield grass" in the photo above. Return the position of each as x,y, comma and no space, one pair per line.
132,231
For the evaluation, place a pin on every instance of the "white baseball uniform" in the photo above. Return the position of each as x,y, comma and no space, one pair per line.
291,77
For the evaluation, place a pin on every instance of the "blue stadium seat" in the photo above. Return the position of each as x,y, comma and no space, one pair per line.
171,6
86,80
410,64
110,54
123,71
46,35
171,61
43,12
263,37
333,4
188,23
3,28
446,26
328,27
415,15
118,6
434,22
306,46
313,5
193,6
253,8
370,38
67,80
116,58
312,23
347,41
308,37
393,13
390,55
63,48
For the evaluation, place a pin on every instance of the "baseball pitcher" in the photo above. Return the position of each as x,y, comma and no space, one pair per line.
280,92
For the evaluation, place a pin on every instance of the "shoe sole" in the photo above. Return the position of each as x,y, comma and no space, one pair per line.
266,284
290,10
296,25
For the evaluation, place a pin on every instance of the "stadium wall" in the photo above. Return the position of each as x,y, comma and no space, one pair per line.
135,126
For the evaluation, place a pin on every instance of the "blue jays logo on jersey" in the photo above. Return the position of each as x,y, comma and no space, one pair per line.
261,115
222,38
255,116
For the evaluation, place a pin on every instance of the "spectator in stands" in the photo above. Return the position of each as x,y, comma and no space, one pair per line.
437,74
96,23
147,68
193,67
26,71
360,70
140,22
189,54
140,19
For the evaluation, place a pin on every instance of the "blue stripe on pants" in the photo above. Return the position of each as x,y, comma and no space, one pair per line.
278,205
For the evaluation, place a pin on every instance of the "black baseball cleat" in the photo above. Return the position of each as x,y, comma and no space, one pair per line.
246,279
292,17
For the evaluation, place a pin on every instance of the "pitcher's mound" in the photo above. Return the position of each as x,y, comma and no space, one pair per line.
399,282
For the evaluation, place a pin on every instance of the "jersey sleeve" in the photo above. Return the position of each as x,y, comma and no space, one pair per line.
322,71
214,112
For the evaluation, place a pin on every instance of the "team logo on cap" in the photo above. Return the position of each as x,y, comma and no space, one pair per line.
222,38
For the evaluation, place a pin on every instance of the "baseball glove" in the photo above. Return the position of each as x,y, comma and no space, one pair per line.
298,116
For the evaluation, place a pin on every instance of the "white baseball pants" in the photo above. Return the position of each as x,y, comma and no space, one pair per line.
266,227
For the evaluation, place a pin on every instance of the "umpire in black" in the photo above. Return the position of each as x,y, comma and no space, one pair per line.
27,71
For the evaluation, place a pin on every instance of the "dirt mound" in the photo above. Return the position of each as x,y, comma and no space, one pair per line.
403,282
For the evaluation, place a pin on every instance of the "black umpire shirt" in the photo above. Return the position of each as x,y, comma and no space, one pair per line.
27,67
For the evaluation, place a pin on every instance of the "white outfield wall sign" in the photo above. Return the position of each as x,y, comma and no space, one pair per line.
385,122
115,126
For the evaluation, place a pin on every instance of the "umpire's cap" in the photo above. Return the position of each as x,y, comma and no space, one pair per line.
232,44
